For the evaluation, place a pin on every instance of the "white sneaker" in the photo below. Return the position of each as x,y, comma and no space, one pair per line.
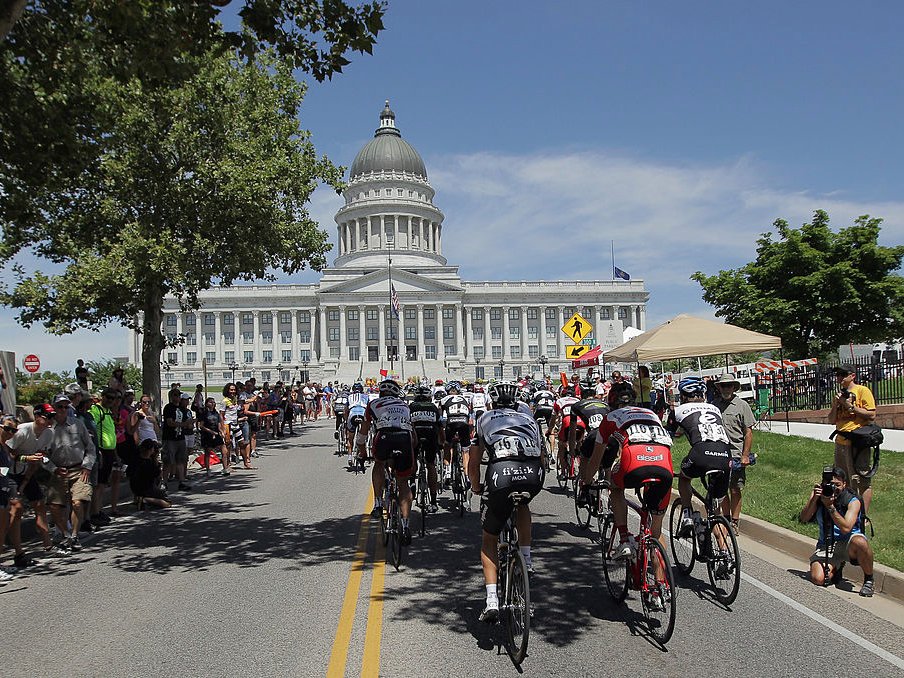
491,612
625,551
5,576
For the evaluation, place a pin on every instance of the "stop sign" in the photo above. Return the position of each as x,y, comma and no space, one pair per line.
32,363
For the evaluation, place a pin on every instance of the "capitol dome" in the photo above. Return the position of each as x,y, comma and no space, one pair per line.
387,151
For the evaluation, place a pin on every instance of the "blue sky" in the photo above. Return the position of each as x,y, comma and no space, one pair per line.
678,130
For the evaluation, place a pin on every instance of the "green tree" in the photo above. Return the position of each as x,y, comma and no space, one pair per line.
139,177
100,371
815,288
33,389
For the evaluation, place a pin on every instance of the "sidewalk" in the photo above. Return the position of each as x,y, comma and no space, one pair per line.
894,438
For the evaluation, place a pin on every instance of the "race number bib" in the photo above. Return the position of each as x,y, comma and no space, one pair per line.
595,421
513,446
648,433
712,432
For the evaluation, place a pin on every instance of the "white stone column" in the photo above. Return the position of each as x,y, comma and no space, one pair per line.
362,333
295,344
382,344
439,239
395,234
524,351
217,337
459,333
324,348
420,331
560,337
541,331
505,334
487,351
343,339
440,336
469,332
643,318
597,335
614,313
256,335
632,316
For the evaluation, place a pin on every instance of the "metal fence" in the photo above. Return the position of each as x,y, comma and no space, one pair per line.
813,388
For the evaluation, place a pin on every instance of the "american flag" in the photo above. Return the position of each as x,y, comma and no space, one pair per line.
394,301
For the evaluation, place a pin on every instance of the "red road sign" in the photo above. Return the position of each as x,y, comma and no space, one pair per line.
31,363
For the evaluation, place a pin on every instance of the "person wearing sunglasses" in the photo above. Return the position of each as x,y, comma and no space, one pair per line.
29,446
8,427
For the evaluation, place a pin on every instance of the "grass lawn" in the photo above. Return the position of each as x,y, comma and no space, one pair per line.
786,469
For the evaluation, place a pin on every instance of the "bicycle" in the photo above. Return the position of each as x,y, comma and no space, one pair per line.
649,572
513,584
459,486
712,541
422,487
341,442
391,516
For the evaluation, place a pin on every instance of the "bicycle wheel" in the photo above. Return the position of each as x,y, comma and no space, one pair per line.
423,497
562,473
397,541
582,512
658,591
684,549
724,563
615,571
384,516
458,486
517,607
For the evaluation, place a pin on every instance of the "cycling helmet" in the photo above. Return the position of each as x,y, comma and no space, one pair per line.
539,385
454,387
358,387
438,382
504,394
622,393
692,387
389,387
422,393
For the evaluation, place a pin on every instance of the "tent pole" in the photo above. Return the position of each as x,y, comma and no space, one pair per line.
781,360
726,363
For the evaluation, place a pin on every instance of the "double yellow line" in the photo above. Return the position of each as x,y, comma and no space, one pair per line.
370,665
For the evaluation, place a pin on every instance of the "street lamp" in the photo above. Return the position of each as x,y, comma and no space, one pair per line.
233,366
543,361
305,363
476,368
502,368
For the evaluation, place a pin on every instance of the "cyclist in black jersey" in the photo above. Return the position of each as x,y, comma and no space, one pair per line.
426,421
511,440
456,413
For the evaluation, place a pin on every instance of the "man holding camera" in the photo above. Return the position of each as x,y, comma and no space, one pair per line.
839,513
853,407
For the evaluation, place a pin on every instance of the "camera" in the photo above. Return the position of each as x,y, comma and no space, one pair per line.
828,488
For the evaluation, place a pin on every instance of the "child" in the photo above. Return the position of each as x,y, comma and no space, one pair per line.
144,476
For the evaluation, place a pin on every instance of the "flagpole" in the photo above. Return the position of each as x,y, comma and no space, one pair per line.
391,310
612,242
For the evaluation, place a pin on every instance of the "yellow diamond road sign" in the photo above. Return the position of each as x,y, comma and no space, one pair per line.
576,351
577,328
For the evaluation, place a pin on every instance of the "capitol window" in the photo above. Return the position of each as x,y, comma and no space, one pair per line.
353,334
267,337
372,314
477,313
532,314
266,318
210,356
353,315
332,314
552,352
533,351
354,353
430,352
514,332
268,357
478,352
411,333
286,336
477,332
448,313
495,333
191,357
285,318
304,336
429,314
209,338
515,351
247,318
305,317
170,321
532,331
247,337
497,352
228,337
514,314
287,356
448,332
334,334
228,356
228,319
248,356
191,339
449,349
550,332
604,314
410,314
550,314
622,313
495,314
430,332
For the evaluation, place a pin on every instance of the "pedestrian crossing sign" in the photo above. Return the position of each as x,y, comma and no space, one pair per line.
576,329
576,351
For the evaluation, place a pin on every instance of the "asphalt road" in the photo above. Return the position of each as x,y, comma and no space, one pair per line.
277,572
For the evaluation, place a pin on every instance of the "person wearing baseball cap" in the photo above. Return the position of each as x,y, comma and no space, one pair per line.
853,406
738,420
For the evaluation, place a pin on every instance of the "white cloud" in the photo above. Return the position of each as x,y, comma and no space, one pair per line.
555,215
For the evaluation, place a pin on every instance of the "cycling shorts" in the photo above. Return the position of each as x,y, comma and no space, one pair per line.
543,414
698,462
354,421
340,417
502,479
638,463
566,424
477,414
395,447
427,439
462,428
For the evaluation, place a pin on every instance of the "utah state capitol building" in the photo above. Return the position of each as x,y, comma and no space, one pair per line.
343,326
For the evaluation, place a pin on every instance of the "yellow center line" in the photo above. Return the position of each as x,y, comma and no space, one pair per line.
339,654
370,666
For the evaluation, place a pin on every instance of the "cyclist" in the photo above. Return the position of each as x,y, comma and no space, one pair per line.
543,401
590,411
340,407
511,441
710,450
633,447
479,401
395,440
357,408
562,421
425,419
456,413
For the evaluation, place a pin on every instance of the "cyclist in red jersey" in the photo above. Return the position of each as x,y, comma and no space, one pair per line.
562,422
633,447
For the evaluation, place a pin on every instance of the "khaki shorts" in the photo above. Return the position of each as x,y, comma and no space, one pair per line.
839,554
854,466
61,488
